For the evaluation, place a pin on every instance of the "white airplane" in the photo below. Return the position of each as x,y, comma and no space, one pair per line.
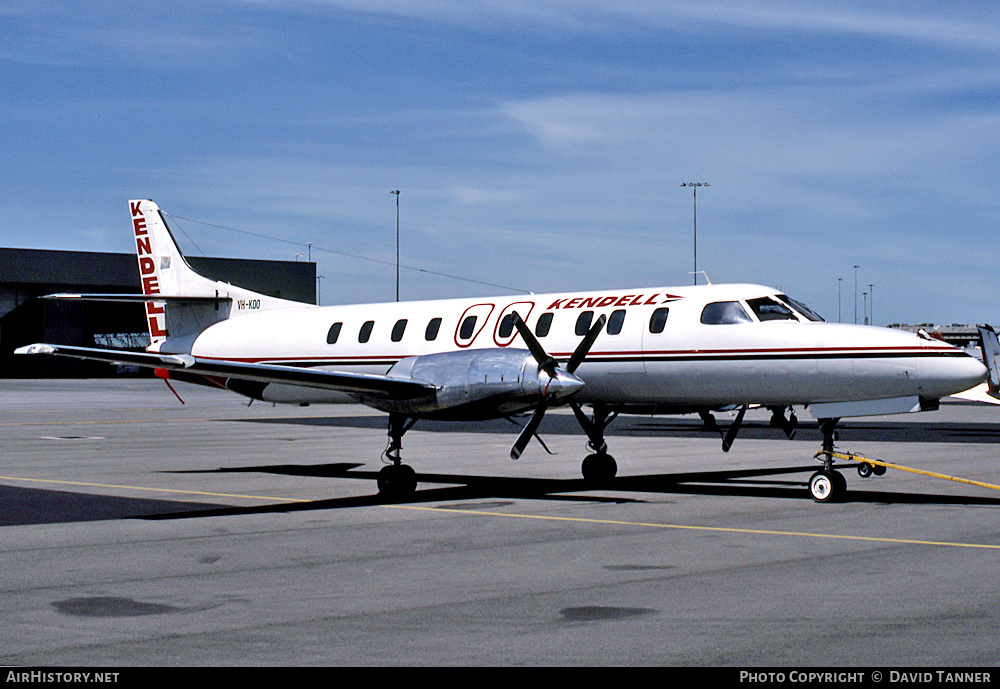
658,350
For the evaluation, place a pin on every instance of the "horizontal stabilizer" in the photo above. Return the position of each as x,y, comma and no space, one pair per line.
356,383
139,298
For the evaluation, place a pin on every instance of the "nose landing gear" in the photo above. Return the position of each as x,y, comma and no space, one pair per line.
827,484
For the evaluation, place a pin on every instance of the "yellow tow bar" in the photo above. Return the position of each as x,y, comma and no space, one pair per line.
858,457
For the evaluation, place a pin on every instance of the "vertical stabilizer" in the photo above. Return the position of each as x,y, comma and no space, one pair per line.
163,271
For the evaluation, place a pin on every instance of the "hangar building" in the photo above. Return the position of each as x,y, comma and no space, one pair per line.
26,274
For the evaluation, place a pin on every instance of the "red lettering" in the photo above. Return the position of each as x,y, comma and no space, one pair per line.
140,225
150,285
151,308
572,303
589,301
557,304
135,208
142,245
146,265
651,300
635,302
154,327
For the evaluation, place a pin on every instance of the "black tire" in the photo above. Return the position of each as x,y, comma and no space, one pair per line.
599,468
823,486
396,482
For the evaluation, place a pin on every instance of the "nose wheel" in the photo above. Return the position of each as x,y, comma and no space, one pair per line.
827,485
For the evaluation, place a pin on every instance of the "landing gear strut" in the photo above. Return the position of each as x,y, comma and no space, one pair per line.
599,467
397,481
827,484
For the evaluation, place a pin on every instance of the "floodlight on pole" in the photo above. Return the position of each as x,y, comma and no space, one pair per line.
694,190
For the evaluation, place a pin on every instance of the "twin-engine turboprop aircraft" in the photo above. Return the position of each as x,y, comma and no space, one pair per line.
656,350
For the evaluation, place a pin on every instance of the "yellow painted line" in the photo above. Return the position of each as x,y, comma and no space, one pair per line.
716,529
153,490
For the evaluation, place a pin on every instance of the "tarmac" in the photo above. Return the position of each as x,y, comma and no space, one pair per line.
139,531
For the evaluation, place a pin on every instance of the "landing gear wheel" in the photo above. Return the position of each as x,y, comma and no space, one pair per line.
827,486
599,468
865,470
396,482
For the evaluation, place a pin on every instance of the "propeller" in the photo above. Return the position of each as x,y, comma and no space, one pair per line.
562,381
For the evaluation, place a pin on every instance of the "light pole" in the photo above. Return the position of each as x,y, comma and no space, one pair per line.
856,294
871,303
840,281
319,290
694,190
396,192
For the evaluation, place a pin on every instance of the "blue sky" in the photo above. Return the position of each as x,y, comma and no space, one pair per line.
537,145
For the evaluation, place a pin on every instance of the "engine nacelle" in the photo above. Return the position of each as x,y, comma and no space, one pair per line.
477,384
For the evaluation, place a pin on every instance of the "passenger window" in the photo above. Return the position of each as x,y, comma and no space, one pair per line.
615,322
334,333
506,326
366,331
432,329
398,330
543,324
769,310
468,328
583,322
724,313
658,320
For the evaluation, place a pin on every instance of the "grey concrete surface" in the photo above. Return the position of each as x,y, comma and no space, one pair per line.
136,531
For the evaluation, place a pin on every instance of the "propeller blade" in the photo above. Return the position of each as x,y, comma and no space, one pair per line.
529,430
545,362
586,343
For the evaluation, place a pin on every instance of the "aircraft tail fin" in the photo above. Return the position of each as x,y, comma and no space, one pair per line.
189,302
990,346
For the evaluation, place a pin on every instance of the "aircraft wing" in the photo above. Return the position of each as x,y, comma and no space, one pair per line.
360,383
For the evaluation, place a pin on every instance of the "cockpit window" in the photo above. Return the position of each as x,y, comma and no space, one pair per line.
768,309
801,308
724,313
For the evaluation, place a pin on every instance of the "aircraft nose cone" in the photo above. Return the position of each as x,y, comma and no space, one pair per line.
563,385
943,376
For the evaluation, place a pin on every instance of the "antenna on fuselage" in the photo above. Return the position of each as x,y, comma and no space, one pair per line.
701,272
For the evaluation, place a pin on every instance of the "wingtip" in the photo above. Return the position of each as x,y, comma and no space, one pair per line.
35,349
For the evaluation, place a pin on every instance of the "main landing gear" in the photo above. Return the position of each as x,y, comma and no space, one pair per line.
599,467
397,481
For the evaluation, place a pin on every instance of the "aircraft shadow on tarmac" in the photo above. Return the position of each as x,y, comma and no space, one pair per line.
26,506
756,483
